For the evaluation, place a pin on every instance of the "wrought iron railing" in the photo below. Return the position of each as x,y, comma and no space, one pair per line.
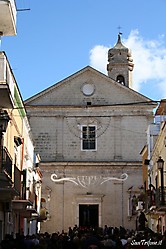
7,82
6,162
161,197
155,198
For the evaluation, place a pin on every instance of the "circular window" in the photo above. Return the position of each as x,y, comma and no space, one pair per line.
88,89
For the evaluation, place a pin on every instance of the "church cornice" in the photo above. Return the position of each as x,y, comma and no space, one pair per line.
122,104
90,164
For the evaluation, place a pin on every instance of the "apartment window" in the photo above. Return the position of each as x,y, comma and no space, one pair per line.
88,138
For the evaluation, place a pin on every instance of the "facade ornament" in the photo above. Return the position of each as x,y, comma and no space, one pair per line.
75,124
86,181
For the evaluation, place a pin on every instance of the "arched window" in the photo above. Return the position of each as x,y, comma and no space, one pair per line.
120,79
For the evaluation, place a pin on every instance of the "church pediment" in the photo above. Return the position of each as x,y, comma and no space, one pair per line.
86,87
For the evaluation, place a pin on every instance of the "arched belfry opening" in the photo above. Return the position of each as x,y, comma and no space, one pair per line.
120,63
120,79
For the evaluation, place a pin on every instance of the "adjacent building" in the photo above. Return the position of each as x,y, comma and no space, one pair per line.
8,14
154,174
20,176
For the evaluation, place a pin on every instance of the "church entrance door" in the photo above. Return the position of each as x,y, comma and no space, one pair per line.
88,215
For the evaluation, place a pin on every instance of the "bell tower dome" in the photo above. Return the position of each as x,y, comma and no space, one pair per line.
120,64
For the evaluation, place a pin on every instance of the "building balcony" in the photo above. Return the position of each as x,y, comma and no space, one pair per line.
155,200
26,203
161,199
8,187
6,170
7,17
150,201
24,206
7,83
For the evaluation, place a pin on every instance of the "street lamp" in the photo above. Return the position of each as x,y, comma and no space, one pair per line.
160,165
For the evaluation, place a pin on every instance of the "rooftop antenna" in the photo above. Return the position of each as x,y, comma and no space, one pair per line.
23,9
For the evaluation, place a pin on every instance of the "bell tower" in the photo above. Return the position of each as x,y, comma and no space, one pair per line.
120,64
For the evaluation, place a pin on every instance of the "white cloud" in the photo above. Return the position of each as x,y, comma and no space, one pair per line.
149,57
98,58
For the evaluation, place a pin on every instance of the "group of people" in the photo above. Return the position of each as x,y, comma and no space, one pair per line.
87,238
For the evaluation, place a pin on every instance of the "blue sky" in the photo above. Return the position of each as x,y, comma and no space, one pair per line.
56,38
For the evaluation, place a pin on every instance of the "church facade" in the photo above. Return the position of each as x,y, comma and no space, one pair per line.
89,130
